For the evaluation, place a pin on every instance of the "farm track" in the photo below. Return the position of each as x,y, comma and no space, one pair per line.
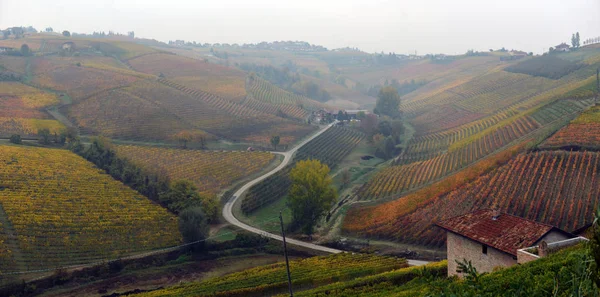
288,156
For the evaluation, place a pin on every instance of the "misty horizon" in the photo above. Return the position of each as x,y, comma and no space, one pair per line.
373,26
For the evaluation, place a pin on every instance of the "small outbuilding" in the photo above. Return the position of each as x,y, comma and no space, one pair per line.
490,239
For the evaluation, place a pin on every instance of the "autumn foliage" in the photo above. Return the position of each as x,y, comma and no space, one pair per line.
66,211
555,187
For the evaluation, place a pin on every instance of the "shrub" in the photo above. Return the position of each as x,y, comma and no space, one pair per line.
15,138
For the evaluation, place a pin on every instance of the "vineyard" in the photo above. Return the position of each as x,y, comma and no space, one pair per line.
459,102
583,132
330,148
65,211
14,64
272,279
445,157
22,110
553,187
172,66
222,117
271,99
121,115
210,171
78,82
228,87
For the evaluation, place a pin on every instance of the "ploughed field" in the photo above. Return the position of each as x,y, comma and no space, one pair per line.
58,209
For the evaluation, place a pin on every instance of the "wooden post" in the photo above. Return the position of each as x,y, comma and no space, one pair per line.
287,263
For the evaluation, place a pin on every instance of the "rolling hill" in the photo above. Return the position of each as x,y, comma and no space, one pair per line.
57,209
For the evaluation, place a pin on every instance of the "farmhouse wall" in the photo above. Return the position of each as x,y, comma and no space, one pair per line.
460,248
553,236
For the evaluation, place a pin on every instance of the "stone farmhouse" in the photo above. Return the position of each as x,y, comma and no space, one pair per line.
491,239
563,47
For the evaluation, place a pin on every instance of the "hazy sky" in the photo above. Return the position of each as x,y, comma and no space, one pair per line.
402,26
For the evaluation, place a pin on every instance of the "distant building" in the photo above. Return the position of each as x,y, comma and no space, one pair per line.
6,49
490,239
563,47
518,54
353,113
68,46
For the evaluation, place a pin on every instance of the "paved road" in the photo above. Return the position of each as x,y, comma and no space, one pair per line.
287,158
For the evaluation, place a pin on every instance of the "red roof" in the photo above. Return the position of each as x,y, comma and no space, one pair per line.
507,233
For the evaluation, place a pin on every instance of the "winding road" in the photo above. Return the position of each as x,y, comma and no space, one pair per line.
287,158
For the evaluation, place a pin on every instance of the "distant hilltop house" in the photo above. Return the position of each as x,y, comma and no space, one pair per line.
491,239
563,47
68,46
518,54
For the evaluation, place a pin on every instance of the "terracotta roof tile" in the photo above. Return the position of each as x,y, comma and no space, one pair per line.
507,233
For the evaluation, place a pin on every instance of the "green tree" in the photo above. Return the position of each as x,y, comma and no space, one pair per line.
182,194
388,102
193,226
44,135
66,33
311,194
15,138
275,141
577,39
25,51
361,115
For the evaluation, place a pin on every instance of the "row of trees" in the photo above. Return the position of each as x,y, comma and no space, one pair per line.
384,132
180,197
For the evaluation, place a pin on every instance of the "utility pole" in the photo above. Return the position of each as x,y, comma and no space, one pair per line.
287,262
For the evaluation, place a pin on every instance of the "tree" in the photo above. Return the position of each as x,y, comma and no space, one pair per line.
183,138
368,124
18,32
346,177
577,40
310,195
49,30
361,115
25,51
388,102
275,141
44,135
5,34
573,41
66,33
193,226
181,195
15,138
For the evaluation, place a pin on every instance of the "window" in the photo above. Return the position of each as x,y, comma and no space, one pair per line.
484,249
